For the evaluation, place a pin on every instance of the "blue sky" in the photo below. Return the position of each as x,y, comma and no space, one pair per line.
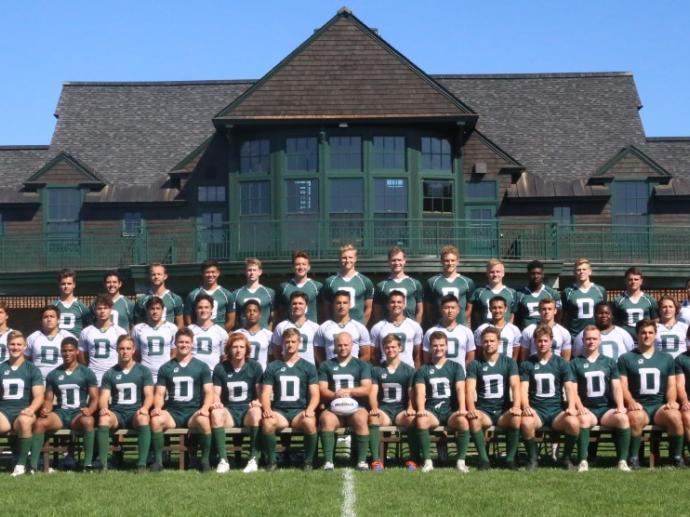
45,43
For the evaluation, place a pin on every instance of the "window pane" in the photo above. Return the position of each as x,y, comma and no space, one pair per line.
255,198
345,152
255,156
438,196
480,190
436,154
302,196
302,154
389,152
390,196
64,205
561,214
211,194
133,223
347,196
630,202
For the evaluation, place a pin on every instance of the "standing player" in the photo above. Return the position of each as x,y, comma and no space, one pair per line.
579,299
448,281
601,399
614,340
301,265
478,305
71,401
44,345
543,377
4,332
324,341
259,338
649,389
348,279
209,337
528,297
684,314
172,303
223,311
122,312
125,400
407,329
298,320
633,305
20,397
562,344
253,290
398,281
344,376
509,344
182,398
670,333
155,338
440,400
493,382
74,315
460,339
98,342
289,398
236,383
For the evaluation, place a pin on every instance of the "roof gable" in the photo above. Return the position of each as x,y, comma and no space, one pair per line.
630,157
64,169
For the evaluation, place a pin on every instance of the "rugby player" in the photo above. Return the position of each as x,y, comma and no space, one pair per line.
254,290
172,303
44,345
478,304
301,264
562,344
397,323
398,280
4,331
614,340
348,279
324,341
448,281
529,296
460,338
122,312
298,320
259,338
209,337
74,315
155,338
633,305
580,298
671,334
509,344
223,309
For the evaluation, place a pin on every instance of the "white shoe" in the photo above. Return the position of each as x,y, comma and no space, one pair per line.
51,470
362,465
584,466
428,466
328,466
19,470
461,467
251,466
223,467
623,466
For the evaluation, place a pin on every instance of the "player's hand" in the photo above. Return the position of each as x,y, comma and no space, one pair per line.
621,410
342,393
255,403
27,412
105,412
267,413
685,406
671,405
410,412
155,411
515,411
472,414
85,411
42,413
572,411
421,412
461,412
218,405
203,411
635,406
309,413
374,412
527,411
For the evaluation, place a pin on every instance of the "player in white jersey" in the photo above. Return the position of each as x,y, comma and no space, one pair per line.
670,333
324,341
4,332
298,320
562,342
259,338
43,346
615,341
98,342
460,339
155,338
407,329
509,343
209,337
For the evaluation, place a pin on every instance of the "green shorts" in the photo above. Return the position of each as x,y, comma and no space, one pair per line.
181,416
66,416
392,412
237,414
651,410
125,417
599,412
547,416
493,414
442,414
289,414
10,414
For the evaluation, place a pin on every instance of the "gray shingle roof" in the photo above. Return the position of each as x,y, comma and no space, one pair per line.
16,164
672,153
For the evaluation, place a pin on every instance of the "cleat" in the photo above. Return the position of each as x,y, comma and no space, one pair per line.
567,464
634,463
410,465
328,466
223,467
678,462
307,467
532,465
19,470
252,466
141,469
377,466
511,465
156,467
88,469
583,466
362,466
428,466
51,470
271,467
461,467
623,466
484,466
205,467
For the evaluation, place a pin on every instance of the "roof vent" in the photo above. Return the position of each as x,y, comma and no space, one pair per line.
479,168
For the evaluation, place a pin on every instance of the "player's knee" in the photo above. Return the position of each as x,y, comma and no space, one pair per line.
475,425
422,422
142,420
253,417
621,421
217,417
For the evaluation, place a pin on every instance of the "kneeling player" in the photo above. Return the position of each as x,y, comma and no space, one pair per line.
187,383
71,402
236,382
440,400
344,376
490,382
601,398
543,377
289,397
126,399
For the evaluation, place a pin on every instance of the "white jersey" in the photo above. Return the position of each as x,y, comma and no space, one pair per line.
208,344
510,338
561,339
460,341
308,332
614,343
101,347
408,330
260,342
154,344
325,337
4,355
672,340
44,351
684,314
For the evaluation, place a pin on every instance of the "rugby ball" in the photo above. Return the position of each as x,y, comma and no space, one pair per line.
344,406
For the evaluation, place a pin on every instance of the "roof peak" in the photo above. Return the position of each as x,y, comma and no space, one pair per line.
157,83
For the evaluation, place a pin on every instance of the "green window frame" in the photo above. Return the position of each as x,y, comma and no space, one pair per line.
436,154
388,153
255,156
345,153
630,202
302,154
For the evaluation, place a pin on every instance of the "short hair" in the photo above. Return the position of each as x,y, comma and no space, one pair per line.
347,247
291,332
344,293
15,334
49,307
203,296
390,338
599,305
498,299
490,330
123,338
299,294
300,254
249,303
634,270
154,300
395,250
158,264
448,298
437,334
103,299
666,297
3,305
209,263
644,323
450,249
113,272
547,301
395,292
343,333
70,341
237,336
184,331
535,264
67,273
493,262
542,330
589,328
582,261
252,261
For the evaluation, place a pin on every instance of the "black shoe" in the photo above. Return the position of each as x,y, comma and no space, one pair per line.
511,465
307,467
678,462
141,469
634,463
88,469
532,465
484,465
567,464
156,467
205,467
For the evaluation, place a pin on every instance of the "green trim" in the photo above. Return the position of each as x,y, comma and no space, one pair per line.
602,172
95,180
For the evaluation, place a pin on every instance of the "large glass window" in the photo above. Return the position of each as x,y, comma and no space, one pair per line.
63,210
388,152
132,224
437,197
390,212
630,202
302,154
255,156
481,190
562,215
436,154
347,210
211,194
255,198
302,196
345,153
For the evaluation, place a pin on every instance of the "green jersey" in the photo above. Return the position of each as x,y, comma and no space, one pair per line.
578,306
310,287
441,395
394,386
16,388
345,376
122,313
172,306
71,390
290,383
647,377
184,383
527,304
682,365
493,382
4,354
74,316
480,302
223,303
627,313
439,286
237,387
410,287
264,295
127,386
594,380
360,288
546,381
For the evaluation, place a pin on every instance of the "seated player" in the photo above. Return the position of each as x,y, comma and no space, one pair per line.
209,337
542,378
493,381
71,401
259,337
397,323
324,341
615,341
440,400
601,398
670,333
562,343
344,376
682,370
125,400
236,383
187,383
509,344
649,390
390,400
460,339
4,331
289,398
43,346
155,337
20,397
298,320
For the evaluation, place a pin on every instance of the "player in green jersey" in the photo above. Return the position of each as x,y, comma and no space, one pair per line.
21,395
187,383
528,297
289,398
254,290
634,305
649,390
301,264
236,387
682,371
361,289
74,315
600,398
122,312
492,382
125,401
172,303
542,378
448,281
344,376
579,299
71,402
440,400
478,305
223,309
4,331
399,281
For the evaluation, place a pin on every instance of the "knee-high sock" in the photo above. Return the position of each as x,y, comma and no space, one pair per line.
37,441
512,441
103,443
634,451
310,443
424,440
622,440
480,443
675,446
89,442
362,447
570,441
462,439
24,448
219,441
158,440
144,444
254,442
328,444
413,443
531,446
583,444
270,441
206,441
375,442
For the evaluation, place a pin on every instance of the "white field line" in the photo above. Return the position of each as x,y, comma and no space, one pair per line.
349,498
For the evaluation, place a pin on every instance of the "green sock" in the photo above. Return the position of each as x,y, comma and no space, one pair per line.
413,443
480,444
144,444
583,444
270,441
206,440
219,439
37,441
89,442
424,439
24,448
158,440
310,443
675,446
634,451
462,439
622,440
328,444
570,441
375,442
254,442
512,441
103,443
531,446
362,447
